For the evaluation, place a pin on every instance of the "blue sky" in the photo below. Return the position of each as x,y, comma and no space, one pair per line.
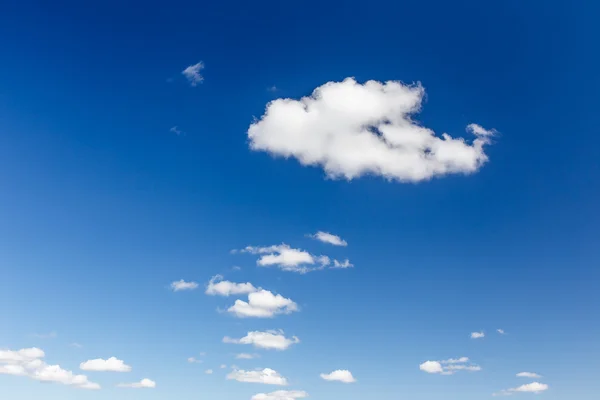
103,205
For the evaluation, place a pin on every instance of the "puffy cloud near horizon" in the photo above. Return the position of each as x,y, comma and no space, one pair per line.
28,362
143,384
263,304
270,340
329,238
266,376
217,286
340,375
183,285
192,73
449,367
351,129
281,395
99,365
534,387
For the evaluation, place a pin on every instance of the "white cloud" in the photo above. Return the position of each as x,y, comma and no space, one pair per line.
281,395
449,367
267,376
246,356
183,285
287,258
330,238
223,366
28,362
208,372
217,286
143,384
112,365
194,360
192,73
534,387
501,331
176,131
351,129
477,335
340,375
480,131
528,375
270,340
263,304
76,345
344,264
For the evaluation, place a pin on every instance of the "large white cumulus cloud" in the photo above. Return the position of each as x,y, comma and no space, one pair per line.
352,129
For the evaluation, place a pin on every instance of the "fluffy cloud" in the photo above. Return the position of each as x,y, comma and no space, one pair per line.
217,286
477,335
267,376
143,384
112,364
351,129
528,375
270,340
341,375
194,360
28,362
287,258
330,238
263,304
448,367
208,372
183,285
534,387
281,395
343,264
192,73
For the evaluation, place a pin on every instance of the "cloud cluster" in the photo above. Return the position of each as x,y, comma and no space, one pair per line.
263,304
28,362
270,340
218,287
340,375
449,367
112,364
291,259
351,129
143,384
281,395
266,376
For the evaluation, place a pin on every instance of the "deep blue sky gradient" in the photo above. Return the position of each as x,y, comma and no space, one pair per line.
101,207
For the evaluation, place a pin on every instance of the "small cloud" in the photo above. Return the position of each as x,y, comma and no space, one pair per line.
329,238
287,258
246,356
340,375
534,387
281,395
111,365
194,360
449,367
223,366
478,130
76,345
501,331
269,340
272,89
176,131
192,73
342,265
528,375
143,384
236,268
431,367
217,286
265,376
183,285
208,372
263,304
477,335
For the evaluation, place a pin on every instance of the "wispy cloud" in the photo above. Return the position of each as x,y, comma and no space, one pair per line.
477,335
528,375
176,131
329,238
192,73
49,335
270,340
183,285
449,367
265,376
534,387
143,384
